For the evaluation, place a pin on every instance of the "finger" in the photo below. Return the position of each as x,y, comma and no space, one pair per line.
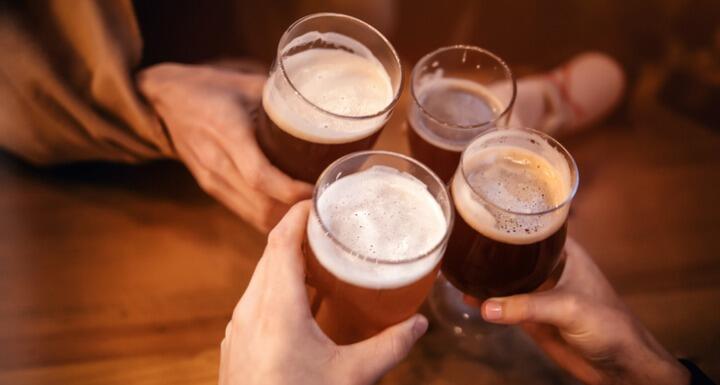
224,352
284,250
228,330
582,275
254,169
233,136
554,307
577,262
550,341
153,81
280,274
253,166
290,231
251,85
261,211
384,351
261,175
256,208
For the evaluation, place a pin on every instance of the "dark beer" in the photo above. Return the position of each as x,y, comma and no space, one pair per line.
327,95
512,222
443,161
302,159
375,239
458,93
483,267
449,114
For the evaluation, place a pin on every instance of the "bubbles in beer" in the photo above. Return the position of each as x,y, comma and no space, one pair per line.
335,74
506,190
515,180
380,216
339,81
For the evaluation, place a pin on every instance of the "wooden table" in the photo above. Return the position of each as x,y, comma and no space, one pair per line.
116,274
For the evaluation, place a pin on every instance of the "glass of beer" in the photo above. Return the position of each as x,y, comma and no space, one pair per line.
375,236
512,193
457,92
331,89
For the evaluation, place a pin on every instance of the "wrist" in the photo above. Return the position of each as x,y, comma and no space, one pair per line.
659,368
669,372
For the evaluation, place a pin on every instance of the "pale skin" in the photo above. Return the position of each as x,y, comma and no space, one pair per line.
584,326
273,339
208,112
581,323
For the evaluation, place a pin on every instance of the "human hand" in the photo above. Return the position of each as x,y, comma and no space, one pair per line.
208,113
585,327
273,339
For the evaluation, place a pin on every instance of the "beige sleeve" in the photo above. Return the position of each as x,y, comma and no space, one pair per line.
67,91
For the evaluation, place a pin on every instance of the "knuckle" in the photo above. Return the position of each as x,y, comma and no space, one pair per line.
255,176
158,76
164,70
277,236
237,316
572,305
527,306
206,181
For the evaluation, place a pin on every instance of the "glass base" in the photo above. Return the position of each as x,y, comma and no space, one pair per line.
506,348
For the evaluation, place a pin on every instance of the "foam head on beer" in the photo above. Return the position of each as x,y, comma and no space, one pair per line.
386,227
513,192
324,84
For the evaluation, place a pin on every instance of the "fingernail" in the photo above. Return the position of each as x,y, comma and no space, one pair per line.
492,310
420,326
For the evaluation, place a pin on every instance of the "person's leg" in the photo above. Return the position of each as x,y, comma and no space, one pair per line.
575,95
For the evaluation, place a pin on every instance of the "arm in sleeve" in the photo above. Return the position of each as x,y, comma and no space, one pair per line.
67,91
697,377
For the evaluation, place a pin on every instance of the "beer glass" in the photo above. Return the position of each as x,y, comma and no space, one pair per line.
457,92
512,193
376,234
332,87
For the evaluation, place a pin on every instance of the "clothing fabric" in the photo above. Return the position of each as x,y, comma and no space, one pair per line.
697,377
67,91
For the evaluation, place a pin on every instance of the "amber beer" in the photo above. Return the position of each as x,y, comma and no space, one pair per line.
375,237
328,93
512,194
458,92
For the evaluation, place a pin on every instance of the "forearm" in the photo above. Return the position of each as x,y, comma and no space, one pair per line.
645,361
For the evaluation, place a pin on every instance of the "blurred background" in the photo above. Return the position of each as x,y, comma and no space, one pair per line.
114,273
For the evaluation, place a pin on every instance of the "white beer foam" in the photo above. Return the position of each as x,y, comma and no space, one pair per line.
514,179
443,136
350,84
383,214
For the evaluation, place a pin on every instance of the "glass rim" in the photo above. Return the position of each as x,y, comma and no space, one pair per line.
349,250
456,126
396,94
553,142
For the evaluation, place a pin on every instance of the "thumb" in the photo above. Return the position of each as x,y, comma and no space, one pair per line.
376,355
554,307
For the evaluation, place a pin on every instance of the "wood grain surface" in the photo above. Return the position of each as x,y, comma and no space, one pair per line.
114,274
